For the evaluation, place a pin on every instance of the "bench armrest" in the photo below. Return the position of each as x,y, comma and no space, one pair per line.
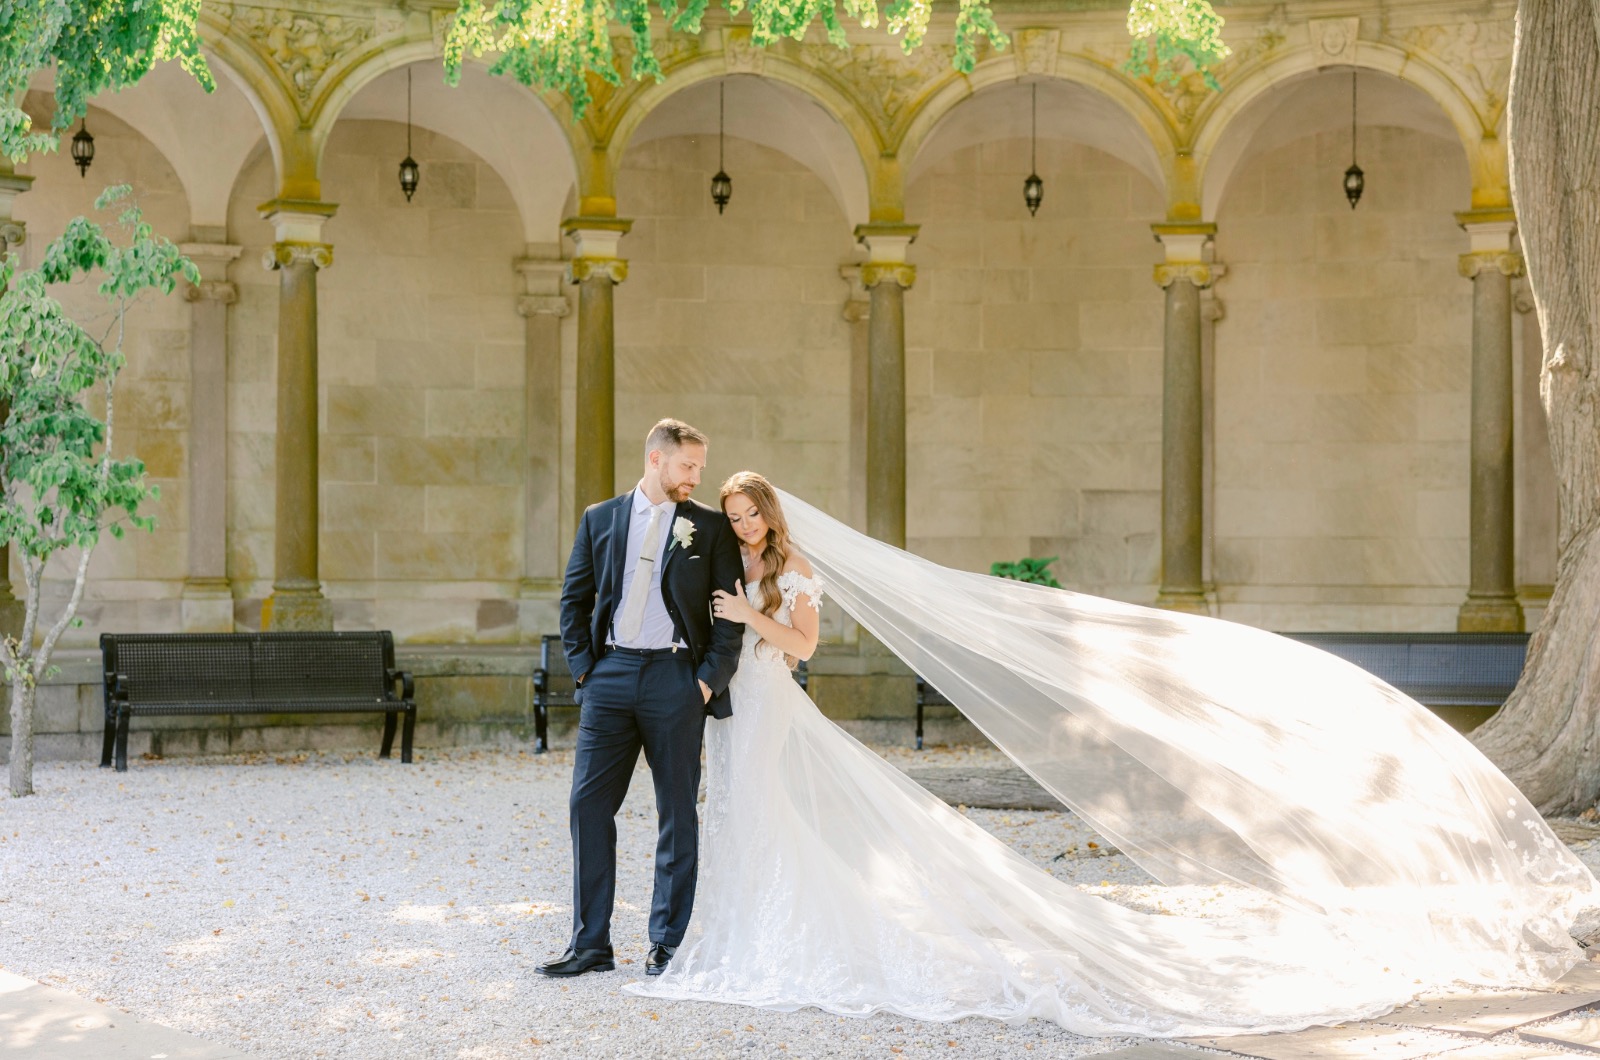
408,687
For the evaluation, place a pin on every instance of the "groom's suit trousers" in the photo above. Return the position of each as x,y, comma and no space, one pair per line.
633,700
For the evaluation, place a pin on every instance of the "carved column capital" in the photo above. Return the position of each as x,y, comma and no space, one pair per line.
13,233
858,304
1508,262
613,269
551,305
211,291
899,272
294,252
1200,274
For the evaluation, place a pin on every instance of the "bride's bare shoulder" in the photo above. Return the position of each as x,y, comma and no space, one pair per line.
798,564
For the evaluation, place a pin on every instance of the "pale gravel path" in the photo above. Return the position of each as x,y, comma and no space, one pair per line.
338,906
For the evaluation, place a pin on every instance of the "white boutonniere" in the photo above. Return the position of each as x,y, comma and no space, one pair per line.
683,532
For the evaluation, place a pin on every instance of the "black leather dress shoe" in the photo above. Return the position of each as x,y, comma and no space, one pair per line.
576,962
659,957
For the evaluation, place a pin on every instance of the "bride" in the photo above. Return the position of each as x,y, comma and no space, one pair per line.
1365,852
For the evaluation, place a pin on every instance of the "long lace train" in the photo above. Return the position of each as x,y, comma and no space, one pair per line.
1379,854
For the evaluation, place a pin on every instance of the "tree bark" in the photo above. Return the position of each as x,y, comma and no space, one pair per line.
22,695
1545,737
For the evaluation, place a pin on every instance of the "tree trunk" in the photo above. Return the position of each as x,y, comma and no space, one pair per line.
22,696
1546,735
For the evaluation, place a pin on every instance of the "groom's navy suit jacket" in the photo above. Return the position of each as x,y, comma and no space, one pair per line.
593,588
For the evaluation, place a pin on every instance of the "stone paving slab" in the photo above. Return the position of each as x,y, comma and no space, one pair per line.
1351,1041
1151,1051
1510,1051
42,1023
1582,1033
1485,1016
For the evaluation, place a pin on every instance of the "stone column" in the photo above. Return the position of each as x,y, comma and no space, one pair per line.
596,269
207,605
1491,605
12,235
297,602
542,306
1184,274
1211,311
857,312
886,276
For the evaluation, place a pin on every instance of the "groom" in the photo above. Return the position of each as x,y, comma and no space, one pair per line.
650,664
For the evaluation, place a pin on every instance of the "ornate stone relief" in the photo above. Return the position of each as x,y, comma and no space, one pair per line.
304,45
1479,55
742,56
1333,40
885,80
1036,51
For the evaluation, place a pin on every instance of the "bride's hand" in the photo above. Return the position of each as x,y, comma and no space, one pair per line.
732,607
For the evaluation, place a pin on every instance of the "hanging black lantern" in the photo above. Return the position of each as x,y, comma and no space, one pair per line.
1355,182
721,184
1033,187
83,147
410,172
410,175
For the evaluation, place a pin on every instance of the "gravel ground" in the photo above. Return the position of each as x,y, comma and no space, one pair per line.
338,906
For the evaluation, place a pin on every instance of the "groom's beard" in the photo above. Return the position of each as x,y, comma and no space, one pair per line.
677,492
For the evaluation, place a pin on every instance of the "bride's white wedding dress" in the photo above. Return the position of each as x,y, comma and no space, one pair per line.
829,879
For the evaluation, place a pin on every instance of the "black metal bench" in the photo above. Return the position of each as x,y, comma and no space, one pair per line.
252,673
553,687
1435,669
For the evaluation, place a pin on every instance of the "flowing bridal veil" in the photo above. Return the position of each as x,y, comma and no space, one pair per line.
1373,842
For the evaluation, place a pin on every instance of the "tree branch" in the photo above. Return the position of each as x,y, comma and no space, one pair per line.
42,659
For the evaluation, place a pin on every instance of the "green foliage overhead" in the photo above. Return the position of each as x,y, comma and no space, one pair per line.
1036,571
1168,32
558,44
92,45
555,44
59,482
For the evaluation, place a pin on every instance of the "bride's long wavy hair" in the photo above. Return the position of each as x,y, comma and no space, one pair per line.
775,553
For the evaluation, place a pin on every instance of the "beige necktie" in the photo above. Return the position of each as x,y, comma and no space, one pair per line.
639,588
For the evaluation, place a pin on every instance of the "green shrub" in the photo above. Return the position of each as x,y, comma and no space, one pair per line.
1027,569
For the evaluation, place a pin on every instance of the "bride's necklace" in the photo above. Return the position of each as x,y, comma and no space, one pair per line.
751,574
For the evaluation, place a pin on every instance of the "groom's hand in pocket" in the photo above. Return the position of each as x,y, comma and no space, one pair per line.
705,690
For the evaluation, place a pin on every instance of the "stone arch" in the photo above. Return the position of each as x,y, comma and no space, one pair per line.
479,111
162,108
855,200
245,67
1219,124
1157,134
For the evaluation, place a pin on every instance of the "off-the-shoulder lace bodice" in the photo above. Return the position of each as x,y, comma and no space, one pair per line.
791,584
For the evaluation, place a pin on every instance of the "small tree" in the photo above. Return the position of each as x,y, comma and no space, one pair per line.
60,484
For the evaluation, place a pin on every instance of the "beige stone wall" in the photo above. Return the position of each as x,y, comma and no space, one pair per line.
1034,367
1343,388
421,377
734,322
135,582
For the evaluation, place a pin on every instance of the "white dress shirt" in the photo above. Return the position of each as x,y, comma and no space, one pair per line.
656,631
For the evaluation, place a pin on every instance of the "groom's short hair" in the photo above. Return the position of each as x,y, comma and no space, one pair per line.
669,434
